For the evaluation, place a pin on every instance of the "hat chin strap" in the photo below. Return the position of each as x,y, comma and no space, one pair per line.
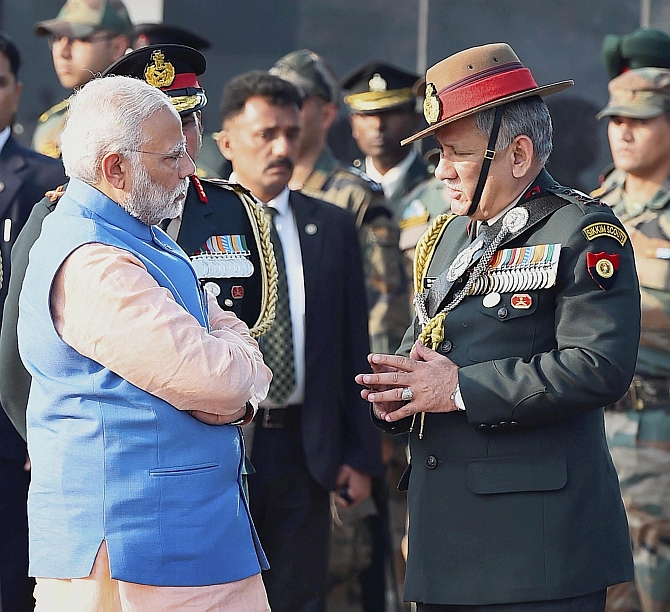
488,158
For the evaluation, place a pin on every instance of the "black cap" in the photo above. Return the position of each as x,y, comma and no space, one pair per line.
643,48
172,68
377,86
145,34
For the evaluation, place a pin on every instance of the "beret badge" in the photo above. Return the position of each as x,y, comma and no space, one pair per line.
432,105
159,73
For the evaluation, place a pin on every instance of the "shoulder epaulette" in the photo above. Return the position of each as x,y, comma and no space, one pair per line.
574,196
226,184
56,108
374,185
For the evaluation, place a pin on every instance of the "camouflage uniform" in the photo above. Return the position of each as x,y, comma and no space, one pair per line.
419,209
386,283
638,426
46,138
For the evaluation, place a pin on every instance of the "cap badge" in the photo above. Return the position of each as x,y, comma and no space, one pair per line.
159,73
432,105
377,83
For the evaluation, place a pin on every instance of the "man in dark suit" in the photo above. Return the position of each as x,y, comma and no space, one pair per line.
528,322
24,178
314,436
222,228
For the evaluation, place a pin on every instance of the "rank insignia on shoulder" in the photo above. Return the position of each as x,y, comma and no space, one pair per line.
608,230
603,268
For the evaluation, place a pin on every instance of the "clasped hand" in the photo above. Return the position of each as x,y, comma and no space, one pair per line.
431,377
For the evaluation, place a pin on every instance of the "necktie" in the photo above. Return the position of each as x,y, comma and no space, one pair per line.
277,343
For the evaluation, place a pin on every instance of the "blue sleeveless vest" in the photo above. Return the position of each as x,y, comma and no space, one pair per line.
111,461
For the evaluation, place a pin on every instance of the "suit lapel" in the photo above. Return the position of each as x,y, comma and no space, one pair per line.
11,166
196,226
311,233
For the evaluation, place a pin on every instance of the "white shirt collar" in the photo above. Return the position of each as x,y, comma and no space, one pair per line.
4,137
280,202
501,214
393,177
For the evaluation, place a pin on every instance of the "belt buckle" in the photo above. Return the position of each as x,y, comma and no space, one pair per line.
266,423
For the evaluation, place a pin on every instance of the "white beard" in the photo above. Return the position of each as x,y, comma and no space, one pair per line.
152,202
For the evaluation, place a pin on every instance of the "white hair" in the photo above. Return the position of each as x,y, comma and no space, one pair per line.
107,115
528,116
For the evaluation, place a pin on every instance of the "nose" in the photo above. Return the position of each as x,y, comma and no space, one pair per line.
186,166
445,170
281,146
62,47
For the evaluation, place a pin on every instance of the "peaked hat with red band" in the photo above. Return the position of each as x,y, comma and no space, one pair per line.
475,80
172,68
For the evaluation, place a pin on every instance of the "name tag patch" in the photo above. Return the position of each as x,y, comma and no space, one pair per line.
607,230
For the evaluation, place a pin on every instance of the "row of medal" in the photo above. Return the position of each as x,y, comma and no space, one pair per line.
521,269
224,256
222,266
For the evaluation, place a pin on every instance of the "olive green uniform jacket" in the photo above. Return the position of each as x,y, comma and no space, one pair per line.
210,210
386,282
516,499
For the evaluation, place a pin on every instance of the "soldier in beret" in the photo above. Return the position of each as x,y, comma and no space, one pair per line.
85,38
527,324
222,228
638,426
382,106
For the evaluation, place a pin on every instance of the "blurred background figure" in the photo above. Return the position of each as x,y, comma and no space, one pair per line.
85,38
24,178
637,187
383,110
145,34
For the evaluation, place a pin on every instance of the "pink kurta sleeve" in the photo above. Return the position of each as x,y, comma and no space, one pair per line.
107,307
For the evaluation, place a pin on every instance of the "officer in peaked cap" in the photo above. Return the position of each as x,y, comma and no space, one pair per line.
514,503
638,190
222,228
85,38
639,49
145,34
383,110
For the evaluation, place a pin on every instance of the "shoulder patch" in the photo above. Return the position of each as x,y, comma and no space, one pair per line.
608,230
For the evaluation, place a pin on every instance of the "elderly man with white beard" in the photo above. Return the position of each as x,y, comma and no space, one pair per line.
139,382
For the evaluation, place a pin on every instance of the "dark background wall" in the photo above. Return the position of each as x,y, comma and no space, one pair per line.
557,40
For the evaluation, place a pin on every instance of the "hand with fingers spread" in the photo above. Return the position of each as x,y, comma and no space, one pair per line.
426,378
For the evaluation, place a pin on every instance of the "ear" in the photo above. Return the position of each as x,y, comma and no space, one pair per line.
328,115
224,144
118,46
522,155
115,170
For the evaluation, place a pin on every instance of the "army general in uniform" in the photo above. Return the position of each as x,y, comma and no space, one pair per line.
222,228
638,426
527,324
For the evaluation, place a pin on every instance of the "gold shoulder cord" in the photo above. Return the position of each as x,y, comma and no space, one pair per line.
425,250
261,229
